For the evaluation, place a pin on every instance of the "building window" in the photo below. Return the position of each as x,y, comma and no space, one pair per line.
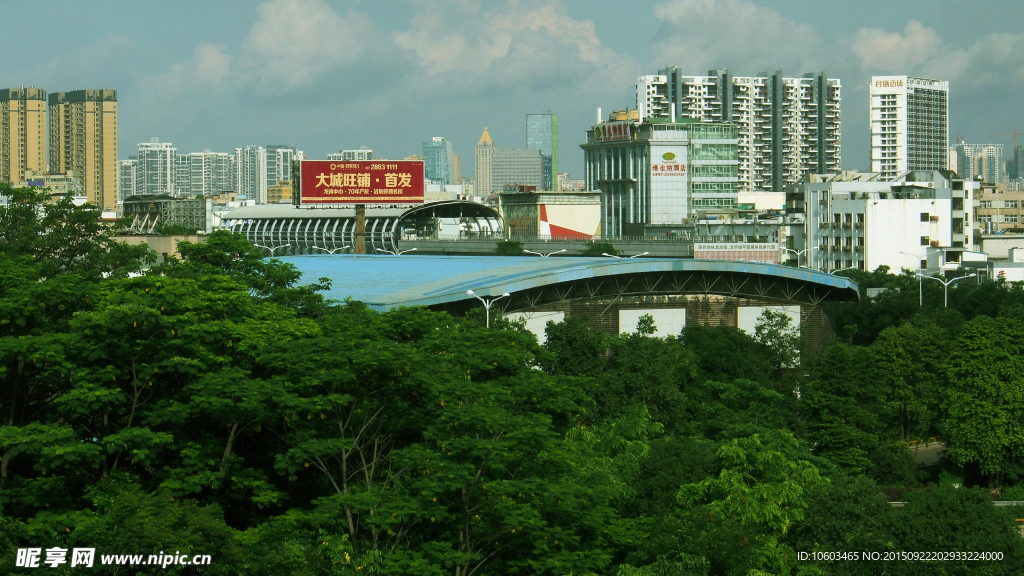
924,240
1011,203
925,216
1012,219
924,264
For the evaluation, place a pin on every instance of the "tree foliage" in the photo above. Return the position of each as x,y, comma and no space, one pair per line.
218,404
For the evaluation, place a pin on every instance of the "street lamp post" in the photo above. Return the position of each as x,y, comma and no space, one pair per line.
800,252
627,257
920,282
399,253
542,255
329,250
843,269
945,286
271,250
487,303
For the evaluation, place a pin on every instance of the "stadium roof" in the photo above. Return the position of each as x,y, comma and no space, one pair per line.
386,282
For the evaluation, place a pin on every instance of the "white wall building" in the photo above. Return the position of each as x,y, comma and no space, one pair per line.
360,155
857,220
250,167
279,163
155,168
909,120
788,127
126,178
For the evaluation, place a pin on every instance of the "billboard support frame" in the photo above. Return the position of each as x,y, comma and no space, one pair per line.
360,233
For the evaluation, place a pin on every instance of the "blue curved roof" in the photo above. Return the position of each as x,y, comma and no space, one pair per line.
385,282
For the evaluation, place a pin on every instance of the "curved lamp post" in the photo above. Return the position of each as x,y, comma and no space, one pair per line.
545,255
399,253
627,257
945,286
329,250
487,303
271,250
920,282
801,252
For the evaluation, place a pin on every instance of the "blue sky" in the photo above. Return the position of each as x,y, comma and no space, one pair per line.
388,74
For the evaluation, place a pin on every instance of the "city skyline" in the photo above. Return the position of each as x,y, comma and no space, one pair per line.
225,76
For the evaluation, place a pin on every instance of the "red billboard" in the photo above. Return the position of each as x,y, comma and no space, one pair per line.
363,182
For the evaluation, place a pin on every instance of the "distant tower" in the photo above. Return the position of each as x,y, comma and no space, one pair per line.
542,134
83,138
439,161
22,132
483,165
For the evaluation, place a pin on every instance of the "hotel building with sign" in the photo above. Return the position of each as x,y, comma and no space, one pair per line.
787,128
655,172
909,125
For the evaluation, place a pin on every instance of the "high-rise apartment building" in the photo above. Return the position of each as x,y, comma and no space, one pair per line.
909,124
83,138
279,163
362,154
250,165
542,134
787,127
126,174
985,160
439,161
511,166
156,168
209,173
457,174
182,176
483,158
22,132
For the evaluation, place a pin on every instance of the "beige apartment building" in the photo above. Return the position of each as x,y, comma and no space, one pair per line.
22,132
998,208
83,138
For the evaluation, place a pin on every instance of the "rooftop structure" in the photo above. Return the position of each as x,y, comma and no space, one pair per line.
334,228
613,292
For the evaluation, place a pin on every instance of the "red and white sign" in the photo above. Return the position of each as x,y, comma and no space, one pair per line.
369,182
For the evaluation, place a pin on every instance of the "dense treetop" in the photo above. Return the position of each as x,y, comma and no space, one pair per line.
212,405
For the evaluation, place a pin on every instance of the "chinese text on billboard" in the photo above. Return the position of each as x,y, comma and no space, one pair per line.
371,182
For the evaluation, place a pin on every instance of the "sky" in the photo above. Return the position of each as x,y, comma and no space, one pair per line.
324,75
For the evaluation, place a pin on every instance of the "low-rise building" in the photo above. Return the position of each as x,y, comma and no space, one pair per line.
530,214
859,220
280,192
999,208
60,185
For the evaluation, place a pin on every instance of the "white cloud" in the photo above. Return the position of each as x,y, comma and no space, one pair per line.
293,42
512,45
895,51
699,35
919,50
